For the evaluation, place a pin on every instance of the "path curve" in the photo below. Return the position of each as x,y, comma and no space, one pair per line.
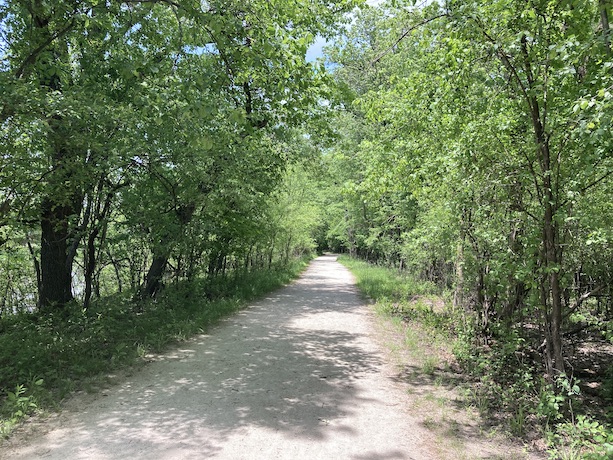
297,375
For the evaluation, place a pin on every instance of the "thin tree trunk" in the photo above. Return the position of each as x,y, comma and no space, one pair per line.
90,266
36,264
604,20
552,263
117,270
458,295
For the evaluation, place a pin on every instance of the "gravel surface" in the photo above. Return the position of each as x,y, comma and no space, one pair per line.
297,375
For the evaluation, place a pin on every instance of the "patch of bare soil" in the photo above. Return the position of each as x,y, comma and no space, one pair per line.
589,360
298,375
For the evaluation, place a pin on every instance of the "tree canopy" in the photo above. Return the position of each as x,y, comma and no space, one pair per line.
143,135
476,150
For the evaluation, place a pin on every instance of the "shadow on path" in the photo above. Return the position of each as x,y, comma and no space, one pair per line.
293,367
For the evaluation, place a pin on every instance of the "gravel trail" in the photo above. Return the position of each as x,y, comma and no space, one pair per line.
297,375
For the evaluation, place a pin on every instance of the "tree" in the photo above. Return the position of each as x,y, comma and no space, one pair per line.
105,99
488,116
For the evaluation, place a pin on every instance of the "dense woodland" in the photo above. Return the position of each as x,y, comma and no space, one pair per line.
467,143
144,141
476,151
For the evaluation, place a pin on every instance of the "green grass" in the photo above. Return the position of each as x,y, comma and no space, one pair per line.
501,386
412,305
381,283
402,297
45,357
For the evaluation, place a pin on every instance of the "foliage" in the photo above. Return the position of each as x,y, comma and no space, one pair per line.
154,159
586,438
19,403
147,146
472,154
142,142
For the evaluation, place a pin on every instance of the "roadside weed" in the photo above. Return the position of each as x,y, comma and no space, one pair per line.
429,365
19,403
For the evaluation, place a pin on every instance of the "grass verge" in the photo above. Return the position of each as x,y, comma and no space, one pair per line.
498,380
419,330
46,357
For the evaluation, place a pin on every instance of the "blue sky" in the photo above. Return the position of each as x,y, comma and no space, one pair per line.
315,50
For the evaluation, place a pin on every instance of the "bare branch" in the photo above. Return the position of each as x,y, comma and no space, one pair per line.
169,2
597,181
582,298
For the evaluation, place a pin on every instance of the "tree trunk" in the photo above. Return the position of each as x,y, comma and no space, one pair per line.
604,20
551,234
458,295
36,264
516,290
90,266
61,200
350,237
56,276
116,269
153,279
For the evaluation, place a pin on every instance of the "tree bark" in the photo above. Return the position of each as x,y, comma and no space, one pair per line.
56,276
62,199
604,20
90,266
154,276
551,235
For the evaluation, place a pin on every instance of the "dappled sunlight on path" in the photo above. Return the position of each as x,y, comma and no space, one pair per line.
294,376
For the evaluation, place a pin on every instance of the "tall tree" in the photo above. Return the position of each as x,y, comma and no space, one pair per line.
490,115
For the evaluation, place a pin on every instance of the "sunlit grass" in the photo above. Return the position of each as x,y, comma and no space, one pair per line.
380,283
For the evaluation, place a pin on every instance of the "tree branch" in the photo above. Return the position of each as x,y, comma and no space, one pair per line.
31,59
582,298
169,2
597,181
405,34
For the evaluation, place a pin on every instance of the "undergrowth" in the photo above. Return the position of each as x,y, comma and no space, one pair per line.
380,283
505,384
46,356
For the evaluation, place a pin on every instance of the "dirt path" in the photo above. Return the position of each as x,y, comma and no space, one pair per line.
297,375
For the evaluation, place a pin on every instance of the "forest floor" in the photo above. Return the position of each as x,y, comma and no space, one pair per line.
309,372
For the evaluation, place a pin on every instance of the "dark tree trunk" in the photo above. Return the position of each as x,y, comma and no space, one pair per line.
551,252
552,256
61,200
154,276
56,276
36,265
90,267
604,21
98,226
116,269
